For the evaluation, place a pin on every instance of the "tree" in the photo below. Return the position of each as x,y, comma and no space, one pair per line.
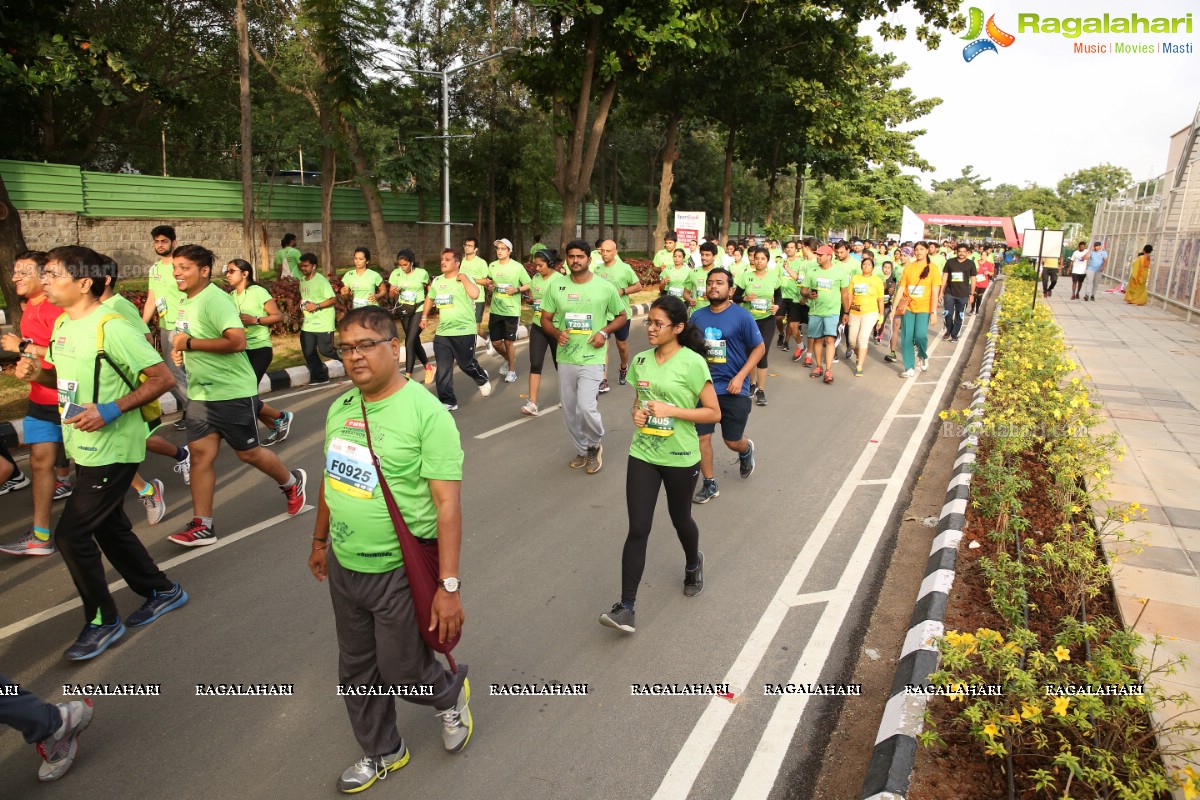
1081,190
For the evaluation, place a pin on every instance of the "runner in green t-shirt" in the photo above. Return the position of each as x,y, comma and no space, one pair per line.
211,340
407,285
507,278
625,281
545,281
162,300
363,285
317,301
476,269
789,291
581,314
421,460
258,311
287,257
665,258
454,292
676,279
104,432
827,289
674,393
708,260
805,262
761,296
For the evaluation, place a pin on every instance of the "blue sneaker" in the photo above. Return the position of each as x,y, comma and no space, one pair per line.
283,426
94,640
746,461
157,604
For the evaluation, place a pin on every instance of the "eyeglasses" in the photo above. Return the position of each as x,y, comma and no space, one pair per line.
363,347
25,273
53,274
655,324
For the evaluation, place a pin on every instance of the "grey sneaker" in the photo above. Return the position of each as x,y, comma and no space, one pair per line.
363,773
693,579
619,617
59,750
156,507
63,489
746,461
707,492
595,459
511,376
760,397
457,723
530,409
18,481
283,426
184,467
29,545
603,386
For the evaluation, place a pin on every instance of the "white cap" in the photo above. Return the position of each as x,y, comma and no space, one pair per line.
504,242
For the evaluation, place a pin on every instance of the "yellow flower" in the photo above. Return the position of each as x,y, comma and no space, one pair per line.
1062,653
1014,717
1030,710
990,730
1061,705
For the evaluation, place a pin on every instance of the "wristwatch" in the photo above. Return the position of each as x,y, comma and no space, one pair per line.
451,585
604,334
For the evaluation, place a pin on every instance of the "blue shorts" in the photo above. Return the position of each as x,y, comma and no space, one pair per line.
40,430
819,327
622,333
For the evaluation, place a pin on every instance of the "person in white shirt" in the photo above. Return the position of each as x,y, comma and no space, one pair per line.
1079,263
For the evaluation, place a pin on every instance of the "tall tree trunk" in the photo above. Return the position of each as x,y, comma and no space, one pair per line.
368,184
669,155
491,206
616,189
328,176
727,188
519,234
602,197
798,198
774,174
650,204
247,171
12,241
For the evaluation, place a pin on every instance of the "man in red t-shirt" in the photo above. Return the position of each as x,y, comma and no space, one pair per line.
43,427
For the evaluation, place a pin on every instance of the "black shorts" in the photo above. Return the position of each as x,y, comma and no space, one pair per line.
735,413
479,312
502,328
798,313
785,306
46,412
622,333
234,420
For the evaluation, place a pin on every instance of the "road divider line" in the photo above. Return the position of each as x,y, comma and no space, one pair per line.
516,422
875,481
223,541
811,598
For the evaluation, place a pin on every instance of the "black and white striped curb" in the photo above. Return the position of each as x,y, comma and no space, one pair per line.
13,433
895,749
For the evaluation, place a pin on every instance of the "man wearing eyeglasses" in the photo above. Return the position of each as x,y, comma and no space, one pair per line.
454,294
106,435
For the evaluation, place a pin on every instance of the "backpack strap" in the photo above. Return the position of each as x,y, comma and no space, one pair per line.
102,356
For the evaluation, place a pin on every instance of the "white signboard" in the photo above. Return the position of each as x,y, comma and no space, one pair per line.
689,226
1024,221
313,232
912,227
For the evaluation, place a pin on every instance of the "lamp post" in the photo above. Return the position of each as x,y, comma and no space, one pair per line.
445,137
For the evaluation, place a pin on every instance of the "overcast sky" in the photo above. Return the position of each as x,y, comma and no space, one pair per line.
1062,111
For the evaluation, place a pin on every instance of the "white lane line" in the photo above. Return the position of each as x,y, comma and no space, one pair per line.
61,608
924,383
872,482
516,422
811,598
309,390
900,416
763,769
680,777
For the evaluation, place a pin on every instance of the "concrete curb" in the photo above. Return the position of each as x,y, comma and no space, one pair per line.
12,433
895,752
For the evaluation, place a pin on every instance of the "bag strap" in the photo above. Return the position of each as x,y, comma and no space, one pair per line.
401,526
102,356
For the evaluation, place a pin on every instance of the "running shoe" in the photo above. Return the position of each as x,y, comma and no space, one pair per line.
760,397
923,363
708,491
799,354
578,462
890,357
491,351
450,406
319,382
58,750
829,377
618,617
836,360
858,372
782,344
849,353
511,377
946,336
63,489
29,545
156,507
595,459
196,534
693,579
753,388
953,338
779,341
745,461
18,481
808,359
94,640
430,371
908,373
457,723
157,604
295,492
363,773
530,409
621,375
485,388
181,423
184,467
817,372
603,385
283,426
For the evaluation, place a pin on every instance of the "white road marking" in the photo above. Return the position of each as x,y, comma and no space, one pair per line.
516,422
763,769
196,552
309,390
811,597
874,482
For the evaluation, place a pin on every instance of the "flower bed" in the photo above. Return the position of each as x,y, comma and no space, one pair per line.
1032,614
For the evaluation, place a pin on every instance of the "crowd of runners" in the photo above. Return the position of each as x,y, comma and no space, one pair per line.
96,369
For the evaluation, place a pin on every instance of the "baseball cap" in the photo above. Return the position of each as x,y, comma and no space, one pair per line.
504,242
824,250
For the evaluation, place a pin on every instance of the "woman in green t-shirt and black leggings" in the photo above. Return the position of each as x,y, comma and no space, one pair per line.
258,312
674,392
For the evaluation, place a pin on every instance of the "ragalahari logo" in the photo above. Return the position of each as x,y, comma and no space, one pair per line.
995,36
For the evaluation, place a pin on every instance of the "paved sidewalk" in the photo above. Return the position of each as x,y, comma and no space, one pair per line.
1144,364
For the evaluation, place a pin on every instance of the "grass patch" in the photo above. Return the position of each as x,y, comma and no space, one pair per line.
13,395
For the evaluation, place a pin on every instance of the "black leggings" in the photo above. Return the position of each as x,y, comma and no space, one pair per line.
413,349
641,495
539,343
766,327
260,359
977,301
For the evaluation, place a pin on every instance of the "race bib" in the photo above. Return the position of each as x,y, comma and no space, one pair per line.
350,470
66,393
578,323
916,291
957,277
408,297
181,326
357,303
861,288
675,291
760,304
824,283
654,426
160,305
443,300
717,351
981,278
502,288
537,306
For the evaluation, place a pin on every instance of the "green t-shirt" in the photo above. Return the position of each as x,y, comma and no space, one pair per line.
504,276
476,269
699,282
536,247
417,443
664,259
456,312
123,306
802,266
668,441
253,301
167,296
289,256
937,259
72,353
790,287
677,280
538,287
214,376
317,290
581,309
763,288
621,276
829,284
409,286
363,288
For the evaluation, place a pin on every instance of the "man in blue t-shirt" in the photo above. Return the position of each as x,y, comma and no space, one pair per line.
734,347
1097,261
